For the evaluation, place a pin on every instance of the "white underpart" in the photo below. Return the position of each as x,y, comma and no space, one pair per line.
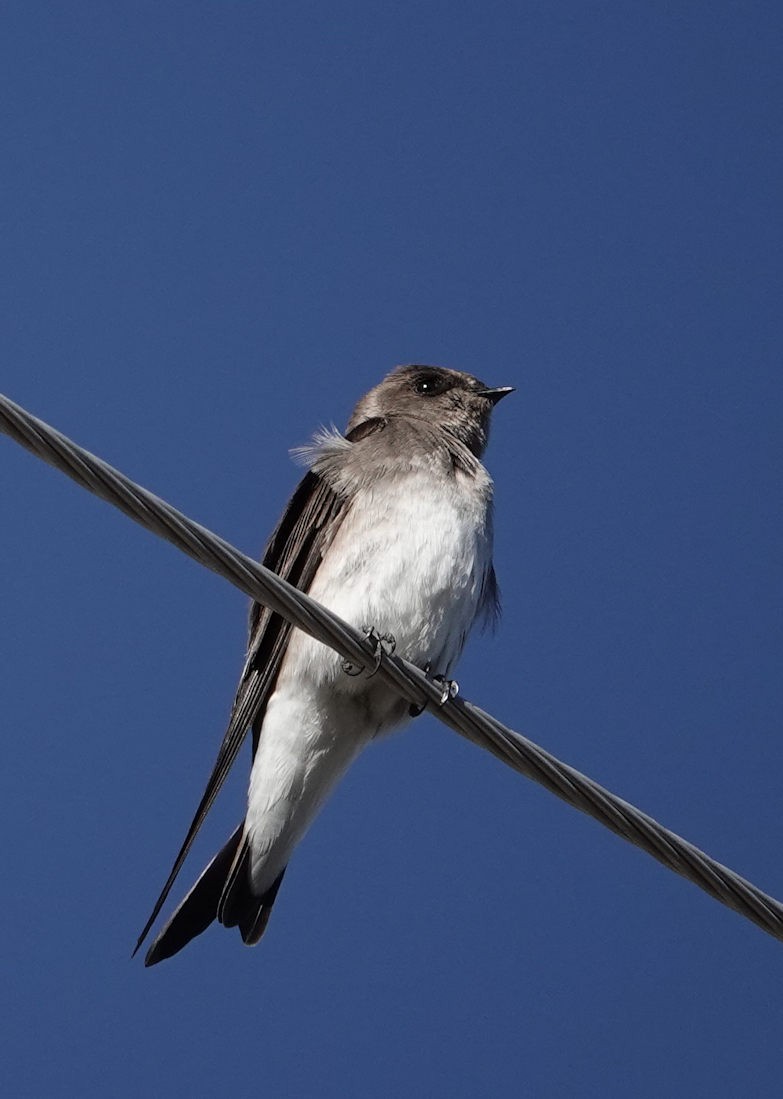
409,560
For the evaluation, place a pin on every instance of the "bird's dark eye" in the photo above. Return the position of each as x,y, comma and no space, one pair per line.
430,385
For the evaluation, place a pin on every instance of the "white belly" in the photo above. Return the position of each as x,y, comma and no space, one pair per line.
306,745
411,563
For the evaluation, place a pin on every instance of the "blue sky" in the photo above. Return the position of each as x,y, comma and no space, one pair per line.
221,224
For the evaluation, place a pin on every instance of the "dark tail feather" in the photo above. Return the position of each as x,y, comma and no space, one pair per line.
199,908
239,907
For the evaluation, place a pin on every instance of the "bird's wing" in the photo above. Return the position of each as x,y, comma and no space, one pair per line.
294,552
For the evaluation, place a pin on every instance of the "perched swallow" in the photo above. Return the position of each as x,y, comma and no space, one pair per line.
390,528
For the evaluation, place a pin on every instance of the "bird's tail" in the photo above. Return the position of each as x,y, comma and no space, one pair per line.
223,892
239,907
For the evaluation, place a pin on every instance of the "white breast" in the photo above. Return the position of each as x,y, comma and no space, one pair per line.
410,560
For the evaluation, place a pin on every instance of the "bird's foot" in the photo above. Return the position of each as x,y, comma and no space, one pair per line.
381,643
449,690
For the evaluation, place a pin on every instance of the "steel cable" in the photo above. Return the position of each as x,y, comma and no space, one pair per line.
477,726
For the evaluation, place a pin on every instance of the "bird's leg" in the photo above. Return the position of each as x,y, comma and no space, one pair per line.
381,643
450,689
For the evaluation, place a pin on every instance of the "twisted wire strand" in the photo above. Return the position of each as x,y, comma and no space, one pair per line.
511,747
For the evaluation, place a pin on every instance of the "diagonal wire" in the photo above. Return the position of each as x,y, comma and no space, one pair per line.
474,724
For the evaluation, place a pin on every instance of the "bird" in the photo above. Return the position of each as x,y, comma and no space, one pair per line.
390,528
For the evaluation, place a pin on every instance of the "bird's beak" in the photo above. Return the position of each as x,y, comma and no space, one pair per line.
496,394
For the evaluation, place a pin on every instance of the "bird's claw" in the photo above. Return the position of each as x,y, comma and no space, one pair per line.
381,643
449,690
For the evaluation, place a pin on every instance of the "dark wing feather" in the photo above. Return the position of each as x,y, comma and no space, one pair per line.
196,910
294,552
489,601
